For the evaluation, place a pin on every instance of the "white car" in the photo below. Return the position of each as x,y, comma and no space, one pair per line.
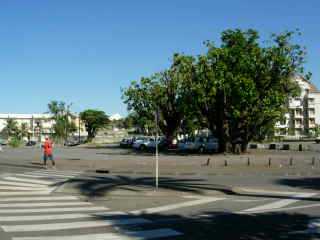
142,143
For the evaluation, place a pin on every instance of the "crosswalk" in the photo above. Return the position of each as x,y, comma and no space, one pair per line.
30,210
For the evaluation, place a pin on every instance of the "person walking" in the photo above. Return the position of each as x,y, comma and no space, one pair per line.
48,152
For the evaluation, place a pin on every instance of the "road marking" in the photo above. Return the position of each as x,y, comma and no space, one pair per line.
41,174
42,182
203,200
47,210
72,225
26,193
145,235
51,198
18,184
46,204
21,188
252,190
282,209
56,172
59,216
280,203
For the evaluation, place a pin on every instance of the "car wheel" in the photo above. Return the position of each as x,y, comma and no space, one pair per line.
142,148
201,150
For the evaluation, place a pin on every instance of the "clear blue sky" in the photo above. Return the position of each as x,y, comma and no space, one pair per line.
84,51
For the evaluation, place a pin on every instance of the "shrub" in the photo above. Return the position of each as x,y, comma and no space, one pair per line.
15,142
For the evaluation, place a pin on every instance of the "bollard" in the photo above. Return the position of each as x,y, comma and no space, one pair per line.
313,161
291,161
269,163
208,162
248,162
225,163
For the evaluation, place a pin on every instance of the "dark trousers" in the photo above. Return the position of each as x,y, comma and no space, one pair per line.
45,157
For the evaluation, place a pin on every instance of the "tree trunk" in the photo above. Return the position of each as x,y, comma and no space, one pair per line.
220,123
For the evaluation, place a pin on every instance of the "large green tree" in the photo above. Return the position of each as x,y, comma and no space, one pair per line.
94,120
243,86
165,93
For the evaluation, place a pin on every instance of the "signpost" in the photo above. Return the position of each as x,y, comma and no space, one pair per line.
157,152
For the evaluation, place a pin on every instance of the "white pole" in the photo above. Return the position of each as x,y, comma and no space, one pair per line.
157,154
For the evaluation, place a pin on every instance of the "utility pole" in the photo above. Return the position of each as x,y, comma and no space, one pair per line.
79,126
157,152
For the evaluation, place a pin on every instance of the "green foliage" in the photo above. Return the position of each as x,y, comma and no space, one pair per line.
239,89
15,142
63,125
164,92
94,120
11,129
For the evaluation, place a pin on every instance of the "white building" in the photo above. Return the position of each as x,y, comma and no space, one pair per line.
304,112
38,125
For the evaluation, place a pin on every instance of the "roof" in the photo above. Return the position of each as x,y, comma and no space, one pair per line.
312,88
25,116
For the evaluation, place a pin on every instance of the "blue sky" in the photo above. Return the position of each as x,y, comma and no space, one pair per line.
84,51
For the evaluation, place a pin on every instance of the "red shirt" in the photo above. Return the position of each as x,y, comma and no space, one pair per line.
47,147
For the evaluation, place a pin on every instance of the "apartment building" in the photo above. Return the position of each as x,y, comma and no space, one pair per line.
39,125
304,112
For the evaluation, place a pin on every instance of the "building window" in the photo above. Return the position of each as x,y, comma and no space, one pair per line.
311,111
283,131
298,112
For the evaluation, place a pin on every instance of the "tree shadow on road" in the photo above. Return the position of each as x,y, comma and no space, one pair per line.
100,186
306,183
222,225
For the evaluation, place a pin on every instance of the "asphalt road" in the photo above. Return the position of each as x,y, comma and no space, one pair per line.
70,204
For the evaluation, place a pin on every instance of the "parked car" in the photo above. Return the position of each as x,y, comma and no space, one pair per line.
127,142
211,145
3,141
31,143
199,144
193,144
141,143
70,143
162,144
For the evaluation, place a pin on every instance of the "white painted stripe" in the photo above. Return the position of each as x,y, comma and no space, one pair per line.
48,210
253,190
279,204
32,199
26,193
49,174
21,188
18,184
72,225
169,207
57,172
132,235
29,180
282,209
44,204
59,216
27,175
34,176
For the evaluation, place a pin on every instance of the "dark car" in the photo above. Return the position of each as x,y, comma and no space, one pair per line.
31,143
